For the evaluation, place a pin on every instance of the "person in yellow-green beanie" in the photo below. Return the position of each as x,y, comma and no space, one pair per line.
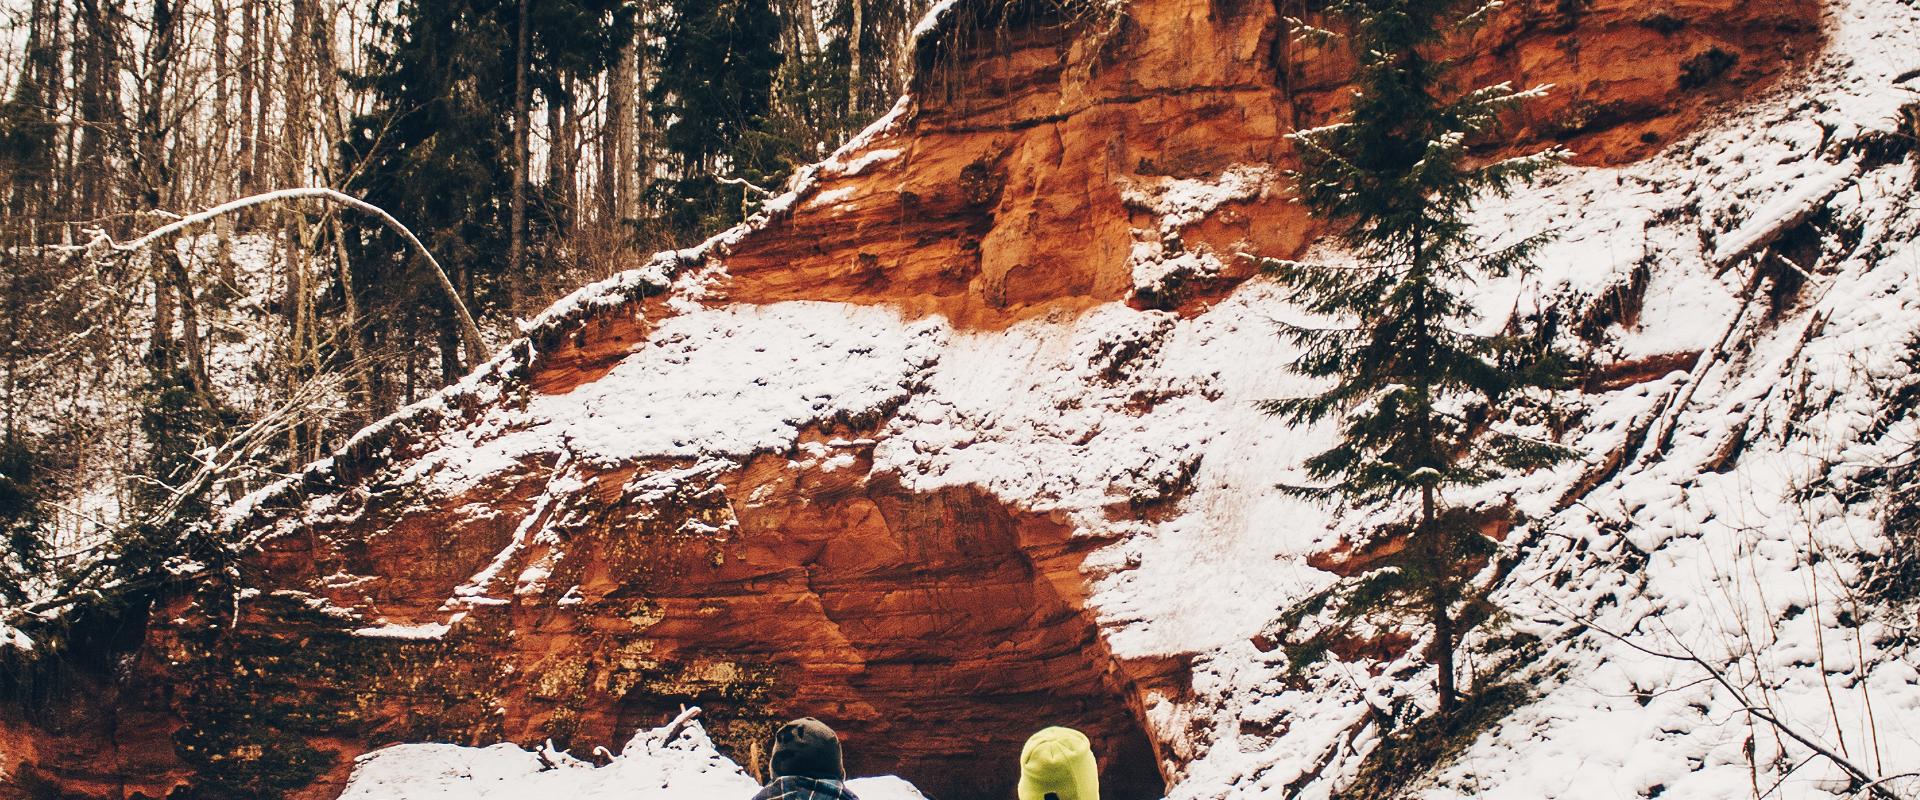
1057,764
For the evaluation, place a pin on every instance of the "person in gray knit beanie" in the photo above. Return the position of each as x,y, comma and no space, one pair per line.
806,764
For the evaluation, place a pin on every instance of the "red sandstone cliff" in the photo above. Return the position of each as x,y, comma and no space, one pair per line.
1036,170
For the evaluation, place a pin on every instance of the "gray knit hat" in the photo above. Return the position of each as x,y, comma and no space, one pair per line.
807,748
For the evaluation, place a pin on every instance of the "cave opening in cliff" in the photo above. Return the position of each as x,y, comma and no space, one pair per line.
935,631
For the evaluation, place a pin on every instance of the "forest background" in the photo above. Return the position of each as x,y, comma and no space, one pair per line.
533,146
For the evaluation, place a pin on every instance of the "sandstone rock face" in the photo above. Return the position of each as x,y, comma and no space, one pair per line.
432,583
933,630
1026,175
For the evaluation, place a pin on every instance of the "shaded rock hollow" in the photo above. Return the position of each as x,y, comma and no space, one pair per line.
931,629
935,629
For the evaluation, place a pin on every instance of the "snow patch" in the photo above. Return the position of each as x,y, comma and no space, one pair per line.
931,20
711,383
649,768
1180,202
832,197
859,165
1159,261
417,631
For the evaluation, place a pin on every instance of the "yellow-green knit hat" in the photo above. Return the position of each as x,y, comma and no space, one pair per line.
1058,761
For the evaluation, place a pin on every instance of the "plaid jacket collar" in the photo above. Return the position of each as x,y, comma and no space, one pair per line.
792,788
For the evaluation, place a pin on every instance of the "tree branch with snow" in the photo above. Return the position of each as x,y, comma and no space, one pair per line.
469,330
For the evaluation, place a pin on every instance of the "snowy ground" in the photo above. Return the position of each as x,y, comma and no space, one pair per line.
1693,559
648,768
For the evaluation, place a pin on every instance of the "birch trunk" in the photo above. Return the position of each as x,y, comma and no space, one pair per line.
853,63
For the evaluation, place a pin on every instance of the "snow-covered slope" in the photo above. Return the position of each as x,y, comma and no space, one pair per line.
1684,613
1719,567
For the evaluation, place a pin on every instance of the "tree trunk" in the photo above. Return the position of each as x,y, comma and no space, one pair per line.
642,124
517,237
298,55
299,354
223,181
606,194
570,146
299,348
295,300
450,368
56,100
160,336
349,334
182,291
412,354
1439,599
26,188
620,115
853,64
220,88
104,134
263,75
809,28
150,178
249,86
556,153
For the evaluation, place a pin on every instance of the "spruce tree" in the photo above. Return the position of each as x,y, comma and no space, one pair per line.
436,149
718,60
1414,391
434,152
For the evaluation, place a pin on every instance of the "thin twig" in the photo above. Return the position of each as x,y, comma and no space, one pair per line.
1868,780
755,188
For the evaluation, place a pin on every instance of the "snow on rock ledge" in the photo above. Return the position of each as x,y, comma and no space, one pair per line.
727,382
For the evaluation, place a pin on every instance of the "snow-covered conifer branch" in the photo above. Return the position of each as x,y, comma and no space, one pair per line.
1306,34
1479,16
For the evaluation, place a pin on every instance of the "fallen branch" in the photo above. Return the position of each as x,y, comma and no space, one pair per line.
1776,218
1786,213
1736,436
1662,432
754,187
679,724
469,331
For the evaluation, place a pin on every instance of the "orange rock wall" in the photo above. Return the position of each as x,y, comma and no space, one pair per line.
1005,201
934,631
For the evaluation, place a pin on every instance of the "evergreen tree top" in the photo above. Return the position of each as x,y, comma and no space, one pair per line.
1414,388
